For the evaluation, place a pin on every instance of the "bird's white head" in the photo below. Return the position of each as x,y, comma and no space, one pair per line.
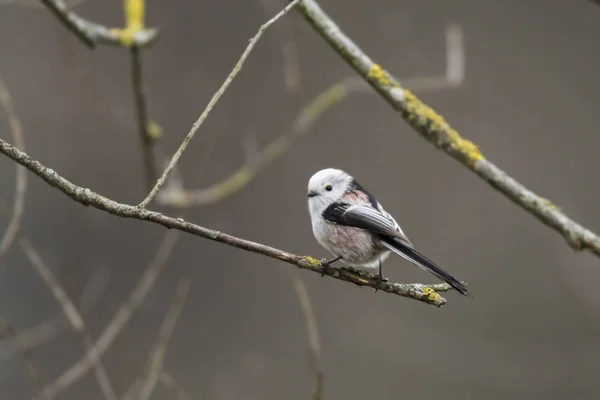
325,187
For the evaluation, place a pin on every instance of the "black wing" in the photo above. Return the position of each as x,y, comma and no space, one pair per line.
364,217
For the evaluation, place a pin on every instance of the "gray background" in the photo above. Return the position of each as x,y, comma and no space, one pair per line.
530,101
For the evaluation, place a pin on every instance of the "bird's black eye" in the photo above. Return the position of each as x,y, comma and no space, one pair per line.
328,188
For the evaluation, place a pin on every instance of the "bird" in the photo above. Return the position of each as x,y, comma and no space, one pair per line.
349,222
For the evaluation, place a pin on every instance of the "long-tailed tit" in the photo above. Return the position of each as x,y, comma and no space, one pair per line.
348,221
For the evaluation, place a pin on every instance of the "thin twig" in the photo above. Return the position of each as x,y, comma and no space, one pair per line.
236,69
21,174
171,383
85,196
314,343
139,93
175,194
58,292
289,48
25,352
73,315
119,320
50,329
157,355
91,33
432,126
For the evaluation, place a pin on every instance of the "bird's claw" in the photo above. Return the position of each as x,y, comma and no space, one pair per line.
378,280
325,264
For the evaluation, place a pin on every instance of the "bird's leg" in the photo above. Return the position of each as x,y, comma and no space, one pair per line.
326,263
379,277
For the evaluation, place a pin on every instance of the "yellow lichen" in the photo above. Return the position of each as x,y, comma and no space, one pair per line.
431,294
313,261
379,74
134,14
134,21
423,116
548,203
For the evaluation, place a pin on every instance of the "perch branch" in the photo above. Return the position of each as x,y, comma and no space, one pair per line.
118,322
85,196
236,69
176,196
431,126
91,33
21,175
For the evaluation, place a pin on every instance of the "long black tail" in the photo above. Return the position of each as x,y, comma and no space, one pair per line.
419,259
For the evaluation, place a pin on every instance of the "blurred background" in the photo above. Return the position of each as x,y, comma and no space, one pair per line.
529,99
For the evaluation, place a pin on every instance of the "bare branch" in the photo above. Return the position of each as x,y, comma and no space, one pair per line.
58,292
21,177
84,196
25,353
171,383
139,93
236,69
314,343
157,355
289,48
91,33
50,329
73,315
175,195
437,131
118,322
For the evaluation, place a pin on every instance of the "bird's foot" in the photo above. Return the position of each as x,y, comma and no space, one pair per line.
378,279
326,263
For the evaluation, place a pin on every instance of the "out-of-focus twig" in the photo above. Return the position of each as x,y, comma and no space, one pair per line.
236,69
157,354
120,319
171,383
289,47
91,33
314,344
58,292
50,329
21,176
178,196
73,315
141,109
25,352
416,291
432,127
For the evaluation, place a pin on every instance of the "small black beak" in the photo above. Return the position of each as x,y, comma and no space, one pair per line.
312,193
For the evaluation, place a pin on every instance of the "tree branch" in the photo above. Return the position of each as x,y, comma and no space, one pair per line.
314,344
417,291
25,351
174,194
141,109
143,388
118,322
21,177
437,131
91,33
236,69
73,315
